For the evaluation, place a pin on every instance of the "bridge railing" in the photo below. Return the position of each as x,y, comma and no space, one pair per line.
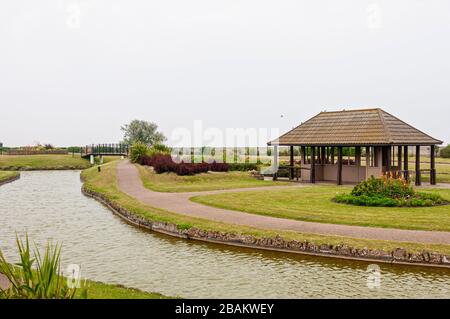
105,149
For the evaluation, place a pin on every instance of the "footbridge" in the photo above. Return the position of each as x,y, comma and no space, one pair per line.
91,151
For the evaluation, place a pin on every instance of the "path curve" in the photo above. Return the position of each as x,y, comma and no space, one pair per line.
129,182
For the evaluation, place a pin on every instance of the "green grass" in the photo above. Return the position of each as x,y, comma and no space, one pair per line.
6,175
105,183
426,159
314,204
170,182
98,290
42,162
109,159
440,168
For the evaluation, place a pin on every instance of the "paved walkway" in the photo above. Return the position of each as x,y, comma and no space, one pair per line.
129,182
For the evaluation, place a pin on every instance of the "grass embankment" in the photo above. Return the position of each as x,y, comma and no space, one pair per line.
98,290
105,183
7,175
314,204
42,162
170,182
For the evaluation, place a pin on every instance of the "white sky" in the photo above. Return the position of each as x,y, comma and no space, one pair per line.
72,72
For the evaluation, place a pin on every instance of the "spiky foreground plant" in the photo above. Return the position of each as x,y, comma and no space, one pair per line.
45,281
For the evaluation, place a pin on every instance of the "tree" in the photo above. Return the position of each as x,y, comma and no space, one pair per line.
143,132
445,152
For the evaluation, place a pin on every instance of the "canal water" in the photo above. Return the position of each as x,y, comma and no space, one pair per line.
49,205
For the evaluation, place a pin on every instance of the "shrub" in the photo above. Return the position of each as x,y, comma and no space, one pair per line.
385,186
46,281
445,152
138,150
219,167
158,149
161,148
388,192
365,200
163,163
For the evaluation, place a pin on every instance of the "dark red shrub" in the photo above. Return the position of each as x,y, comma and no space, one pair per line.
164,163
161,163
145,160
219,167
183,169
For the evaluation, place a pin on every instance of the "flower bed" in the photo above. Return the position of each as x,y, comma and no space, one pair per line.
162,163
389,192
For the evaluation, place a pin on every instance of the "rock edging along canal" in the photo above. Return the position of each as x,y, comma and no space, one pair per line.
398,256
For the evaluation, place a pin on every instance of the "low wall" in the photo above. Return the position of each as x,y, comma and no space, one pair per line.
328,173
398,256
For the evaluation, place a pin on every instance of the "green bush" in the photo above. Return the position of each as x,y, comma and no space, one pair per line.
365,200
385,187
388,192
445,152
158,149
138,150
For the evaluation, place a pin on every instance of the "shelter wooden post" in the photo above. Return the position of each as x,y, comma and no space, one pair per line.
358,155
388,160
368,157
303,156
433,165
339,177
418,175
400,157
406,163
291,163
313,165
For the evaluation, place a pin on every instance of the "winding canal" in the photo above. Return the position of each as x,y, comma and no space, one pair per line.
49,205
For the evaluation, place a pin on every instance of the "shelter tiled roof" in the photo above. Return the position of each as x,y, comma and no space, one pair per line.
355,127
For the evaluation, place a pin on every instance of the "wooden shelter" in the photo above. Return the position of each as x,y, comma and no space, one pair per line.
377,141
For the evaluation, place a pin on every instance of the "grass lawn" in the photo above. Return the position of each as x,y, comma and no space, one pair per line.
42,162
97,290
426,159
108,159
5,175
313,203
170,182
105,183
440,168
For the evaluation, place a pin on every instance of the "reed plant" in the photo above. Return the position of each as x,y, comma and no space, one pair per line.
36,275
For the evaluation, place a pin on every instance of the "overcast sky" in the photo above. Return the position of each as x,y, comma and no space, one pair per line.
72,72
